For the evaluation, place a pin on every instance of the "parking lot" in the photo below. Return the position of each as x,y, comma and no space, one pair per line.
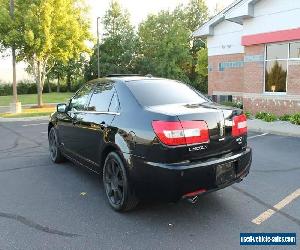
47,206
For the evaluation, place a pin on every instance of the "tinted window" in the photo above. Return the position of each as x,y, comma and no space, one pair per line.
79,101
160,92
101,97
295,50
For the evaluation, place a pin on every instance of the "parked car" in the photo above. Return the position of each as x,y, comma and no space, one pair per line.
150,137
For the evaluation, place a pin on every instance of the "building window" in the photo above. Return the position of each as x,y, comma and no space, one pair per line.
295,50
276,65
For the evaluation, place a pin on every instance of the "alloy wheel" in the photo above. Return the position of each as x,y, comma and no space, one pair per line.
114,182
53,144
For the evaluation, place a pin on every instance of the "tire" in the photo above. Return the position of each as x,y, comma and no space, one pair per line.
55,153
118,189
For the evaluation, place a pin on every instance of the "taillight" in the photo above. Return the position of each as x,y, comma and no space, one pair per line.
239,125
181,133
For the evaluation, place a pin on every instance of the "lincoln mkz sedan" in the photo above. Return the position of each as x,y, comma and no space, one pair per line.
150,137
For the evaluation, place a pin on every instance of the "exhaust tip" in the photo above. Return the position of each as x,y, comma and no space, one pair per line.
193,200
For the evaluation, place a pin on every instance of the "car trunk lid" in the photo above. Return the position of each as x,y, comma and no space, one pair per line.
219,122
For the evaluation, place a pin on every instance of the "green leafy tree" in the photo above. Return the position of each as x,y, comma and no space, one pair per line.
44,32
118,46
167,47
194,15
202,69
164,46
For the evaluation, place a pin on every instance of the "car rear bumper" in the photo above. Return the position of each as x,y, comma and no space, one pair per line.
173,181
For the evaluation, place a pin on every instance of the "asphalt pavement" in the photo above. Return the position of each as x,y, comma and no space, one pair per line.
48,206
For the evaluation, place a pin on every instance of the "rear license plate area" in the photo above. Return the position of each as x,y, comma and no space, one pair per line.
225,173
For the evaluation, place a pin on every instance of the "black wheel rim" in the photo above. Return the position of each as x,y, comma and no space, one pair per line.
114,182
53,144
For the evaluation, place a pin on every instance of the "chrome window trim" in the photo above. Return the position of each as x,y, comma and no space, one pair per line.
95,112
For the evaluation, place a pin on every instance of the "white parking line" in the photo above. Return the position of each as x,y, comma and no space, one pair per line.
267,214
46,132
34,124
254,136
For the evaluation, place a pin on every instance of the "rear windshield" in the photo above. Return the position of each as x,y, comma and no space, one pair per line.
161,92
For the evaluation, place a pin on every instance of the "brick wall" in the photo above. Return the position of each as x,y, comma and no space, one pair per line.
275,105
293,81
254,69
230,79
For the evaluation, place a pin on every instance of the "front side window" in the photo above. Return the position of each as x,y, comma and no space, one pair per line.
101,98
79,101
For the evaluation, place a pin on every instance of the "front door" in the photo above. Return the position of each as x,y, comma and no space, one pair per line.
68,122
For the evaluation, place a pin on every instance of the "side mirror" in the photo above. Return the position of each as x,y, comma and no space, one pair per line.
61,107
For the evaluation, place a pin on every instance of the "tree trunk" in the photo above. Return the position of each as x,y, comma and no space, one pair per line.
69,81
15,92
58,83
49,85
40,84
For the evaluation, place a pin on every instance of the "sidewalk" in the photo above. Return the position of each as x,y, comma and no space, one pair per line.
277,127
4,109
25,119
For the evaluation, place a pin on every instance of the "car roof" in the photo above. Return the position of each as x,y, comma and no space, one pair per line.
124,78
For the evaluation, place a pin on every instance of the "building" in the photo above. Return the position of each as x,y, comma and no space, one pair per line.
254,54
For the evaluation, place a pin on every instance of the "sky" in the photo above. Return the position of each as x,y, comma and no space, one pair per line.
138,9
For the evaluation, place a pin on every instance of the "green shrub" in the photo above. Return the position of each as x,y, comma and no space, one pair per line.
285,117
295,119
5,89
31,88
248,114
261,115
265,116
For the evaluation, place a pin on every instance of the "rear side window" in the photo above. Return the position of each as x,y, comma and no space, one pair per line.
101,98
161,92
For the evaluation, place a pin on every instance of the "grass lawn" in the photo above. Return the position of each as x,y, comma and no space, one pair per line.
32,98
30,112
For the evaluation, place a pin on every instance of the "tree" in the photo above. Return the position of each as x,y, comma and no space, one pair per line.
118,47
164,46
47,31
202,69
194,15
7,38
167,47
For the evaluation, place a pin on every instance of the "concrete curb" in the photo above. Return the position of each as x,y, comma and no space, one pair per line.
277,127
24,119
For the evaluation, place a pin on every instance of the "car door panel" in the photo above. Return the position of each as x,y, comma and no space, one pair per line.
68,121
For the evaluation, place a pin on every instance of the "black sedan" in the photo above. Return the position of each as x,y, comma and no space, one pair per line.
150,137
